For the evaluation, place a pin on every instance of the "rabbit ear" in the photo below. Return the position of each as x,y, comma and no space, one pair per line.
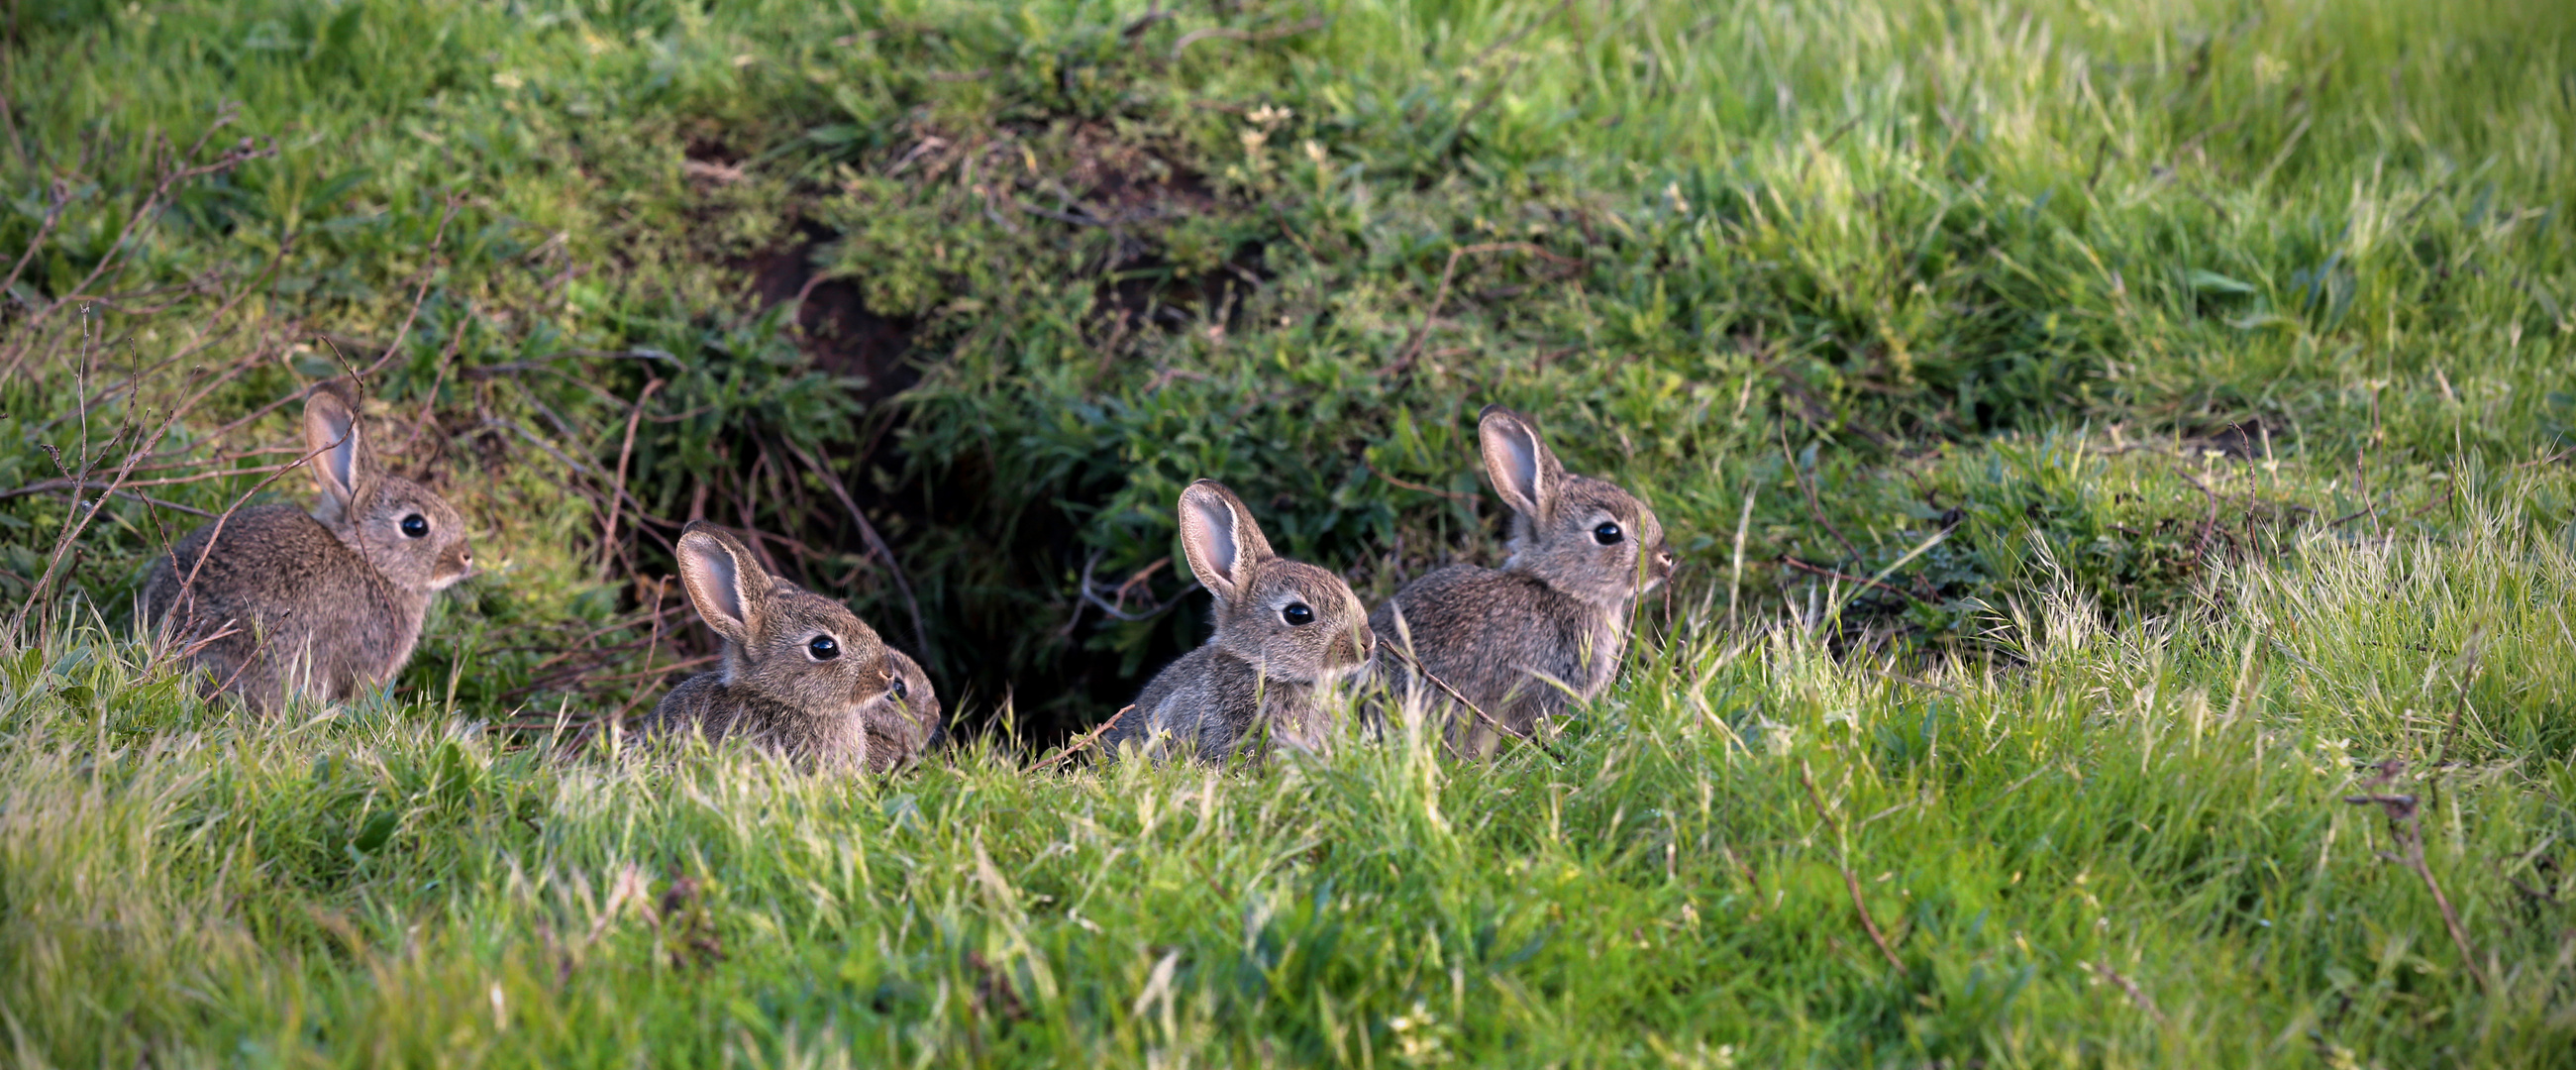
1220,538
724,580
341,464
1524,471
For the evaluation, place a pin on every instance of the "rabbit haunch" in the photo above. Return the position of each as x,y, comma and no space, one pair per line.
274,601
1554,619
1284,631
800,674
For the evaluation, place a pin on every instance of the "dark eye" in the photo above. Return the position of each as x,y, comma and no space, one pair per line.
900,689
1297,614
823,648
1608,534
415,527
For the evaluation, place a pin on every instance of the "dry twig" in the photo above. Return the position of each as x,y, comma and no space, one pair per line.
1864,581
2402,828
617,497
2137,995
1462,700
1842,861
1815,507
1083,741
1230,33
876,545
1422,333
1449,494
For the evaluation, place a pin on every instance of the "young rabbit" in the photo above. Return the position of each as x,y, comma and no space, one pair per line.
1555,614
800,674
275,601
906,725
1284,631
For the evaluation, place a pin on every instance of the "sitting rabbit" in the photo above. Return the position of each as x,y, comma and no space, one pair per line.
273,601
800,674
1284,631
1550,624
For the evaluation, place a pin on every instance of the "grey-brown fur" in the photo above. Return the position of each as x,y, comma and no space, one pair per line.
905,724
1258,671
276,601
774,687
1555,613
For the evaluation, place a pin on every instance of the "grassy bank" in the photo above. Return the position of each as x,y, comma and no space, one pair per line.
2188,380
2135,849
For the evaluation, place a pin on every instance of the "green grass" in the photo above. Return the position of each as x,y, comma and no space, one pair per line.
2165,804
2224,346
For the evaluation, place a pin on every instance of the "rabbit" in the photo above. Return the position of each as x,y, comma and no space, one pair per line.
800,674
273,601
906,725
1285,632
1553,620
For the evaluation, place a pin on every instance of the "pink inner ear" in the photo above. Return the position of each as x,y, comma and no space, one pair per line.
716,579
1226,551
1520,464
1209,530
343,460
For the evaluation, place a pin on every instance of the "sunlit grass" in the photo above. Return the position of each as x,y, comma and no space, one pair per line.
2156,807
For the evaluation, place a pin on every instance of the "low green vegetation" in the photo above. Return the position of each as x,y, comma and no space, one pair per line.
2101,443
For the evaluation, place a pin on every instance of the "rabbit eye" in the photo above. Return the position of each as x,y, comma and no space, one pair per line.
823,648
415,527
1608,534
1297,614
899,689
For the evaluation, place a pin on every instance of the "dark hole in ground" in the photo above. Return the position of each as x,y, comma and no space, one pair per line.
835,327
956,550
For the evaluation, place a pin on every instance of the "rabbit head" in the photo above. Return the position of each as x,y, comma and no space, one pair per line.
903,725
781,642
1299,623
1580,535
405,530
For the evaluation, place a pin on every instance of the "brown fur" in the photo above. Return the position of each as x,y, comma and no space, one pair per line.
901,728
1555,614
326,603
1258,671
772,688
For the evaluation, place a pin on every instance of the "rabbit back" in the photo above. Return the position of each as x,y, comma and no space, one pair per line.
1208,701
1503,639
706,705
281,604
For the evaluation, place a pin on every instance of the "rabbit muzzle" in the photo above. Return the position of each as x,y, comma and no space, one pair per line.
454,565
1350,648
